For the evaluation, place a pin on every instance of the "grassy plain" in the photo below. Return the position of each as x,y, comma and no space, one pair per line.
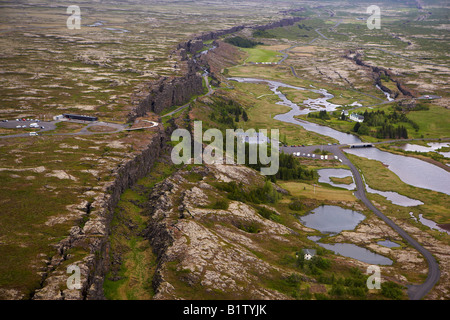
261,54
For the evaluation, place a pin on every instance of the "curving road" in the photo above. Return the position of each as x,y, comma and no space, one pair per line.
415,292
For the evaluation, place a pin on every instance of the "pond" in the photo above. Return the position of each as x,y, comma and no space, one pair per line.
358,253
325,176
388,243
429,223
332,220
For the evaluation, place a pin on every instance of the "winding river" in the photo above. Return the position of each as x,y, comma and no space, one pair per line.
412,171
313,105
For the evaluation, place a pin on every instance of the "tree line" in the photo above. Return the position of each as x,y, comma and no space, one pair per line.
385,124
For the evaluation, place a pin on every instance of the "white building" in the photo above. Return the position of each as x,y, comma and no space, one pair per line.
356,117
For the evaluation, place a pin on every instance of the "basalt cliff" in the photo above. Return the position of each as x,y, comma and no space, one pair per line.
176,91
87,245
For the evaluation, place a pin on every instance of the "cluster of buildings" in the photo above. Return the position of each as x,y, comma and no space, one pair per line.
264,62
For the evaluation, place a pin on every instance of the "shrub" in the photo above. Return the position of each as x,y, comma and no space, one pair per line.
220,204
391,290
268,214
296,205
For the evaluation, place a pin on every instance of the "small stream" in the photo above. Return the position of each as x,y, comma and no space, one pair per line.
432,147
387,94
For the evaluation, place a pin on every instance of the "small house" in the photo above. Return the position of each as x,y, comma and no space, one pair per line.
356,117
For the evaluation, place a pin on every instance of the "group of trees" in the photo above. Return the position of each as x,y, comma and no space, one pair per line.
385,124
262,34
313,266
228,113
290,169
323,114
388,131
305,27
257,195
242,42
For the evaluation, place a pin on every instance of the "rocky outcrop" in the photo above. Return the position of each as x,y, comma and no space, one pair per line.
378,72
204,247
92,238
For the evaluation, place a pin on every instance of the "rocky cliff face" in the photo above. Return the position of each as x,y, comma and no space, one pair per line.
167,92
92,237
172,91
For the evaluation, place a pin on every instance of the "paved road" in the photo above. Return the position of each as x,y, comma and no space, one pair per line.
49,126
415,292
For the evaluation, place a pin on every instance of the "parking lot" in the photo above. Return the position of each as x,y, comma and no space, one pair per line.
311,151
22,124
